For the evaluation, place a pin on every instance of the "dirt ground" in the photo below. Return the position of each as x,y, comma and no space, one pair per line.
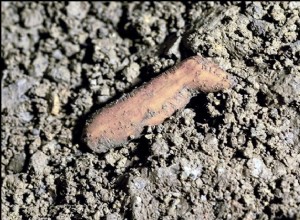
233,154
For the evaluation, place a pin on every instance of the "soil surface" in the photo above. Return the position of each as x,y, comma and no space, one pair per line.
233,154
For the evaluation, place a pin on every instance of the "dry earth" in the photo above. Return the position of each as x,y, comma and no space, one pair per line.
233,154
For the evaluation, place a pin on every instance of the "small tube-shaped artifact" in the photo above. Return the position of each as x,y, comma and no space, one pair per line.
153,102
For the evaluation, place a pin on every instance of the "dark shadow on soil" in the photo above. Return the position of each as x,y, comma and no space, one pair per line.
199,104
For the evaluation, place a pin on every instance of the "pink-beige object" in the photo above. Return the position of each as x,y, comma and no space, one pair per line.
153,102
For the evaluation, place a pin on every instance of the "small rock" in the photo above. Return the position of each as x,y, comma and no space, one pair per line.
294,5
78,10
102,99
57,54
256,165
40,65
258,168
278,14
190,169
132,72
31,18
160,148
16,164
122,162
256,10
71,49
137,184
39,162
188,115
112,158
25,116
35,144
42,89
105,91
249,199
288,86
13,182
60,74
113,216
177,139
258,27
13,94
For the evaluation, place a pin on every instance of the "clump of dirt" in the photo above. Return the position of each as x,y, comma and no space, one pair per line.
231,154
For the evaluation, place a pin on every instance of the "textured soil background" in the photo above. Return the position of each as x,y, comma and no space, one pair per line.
234,154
